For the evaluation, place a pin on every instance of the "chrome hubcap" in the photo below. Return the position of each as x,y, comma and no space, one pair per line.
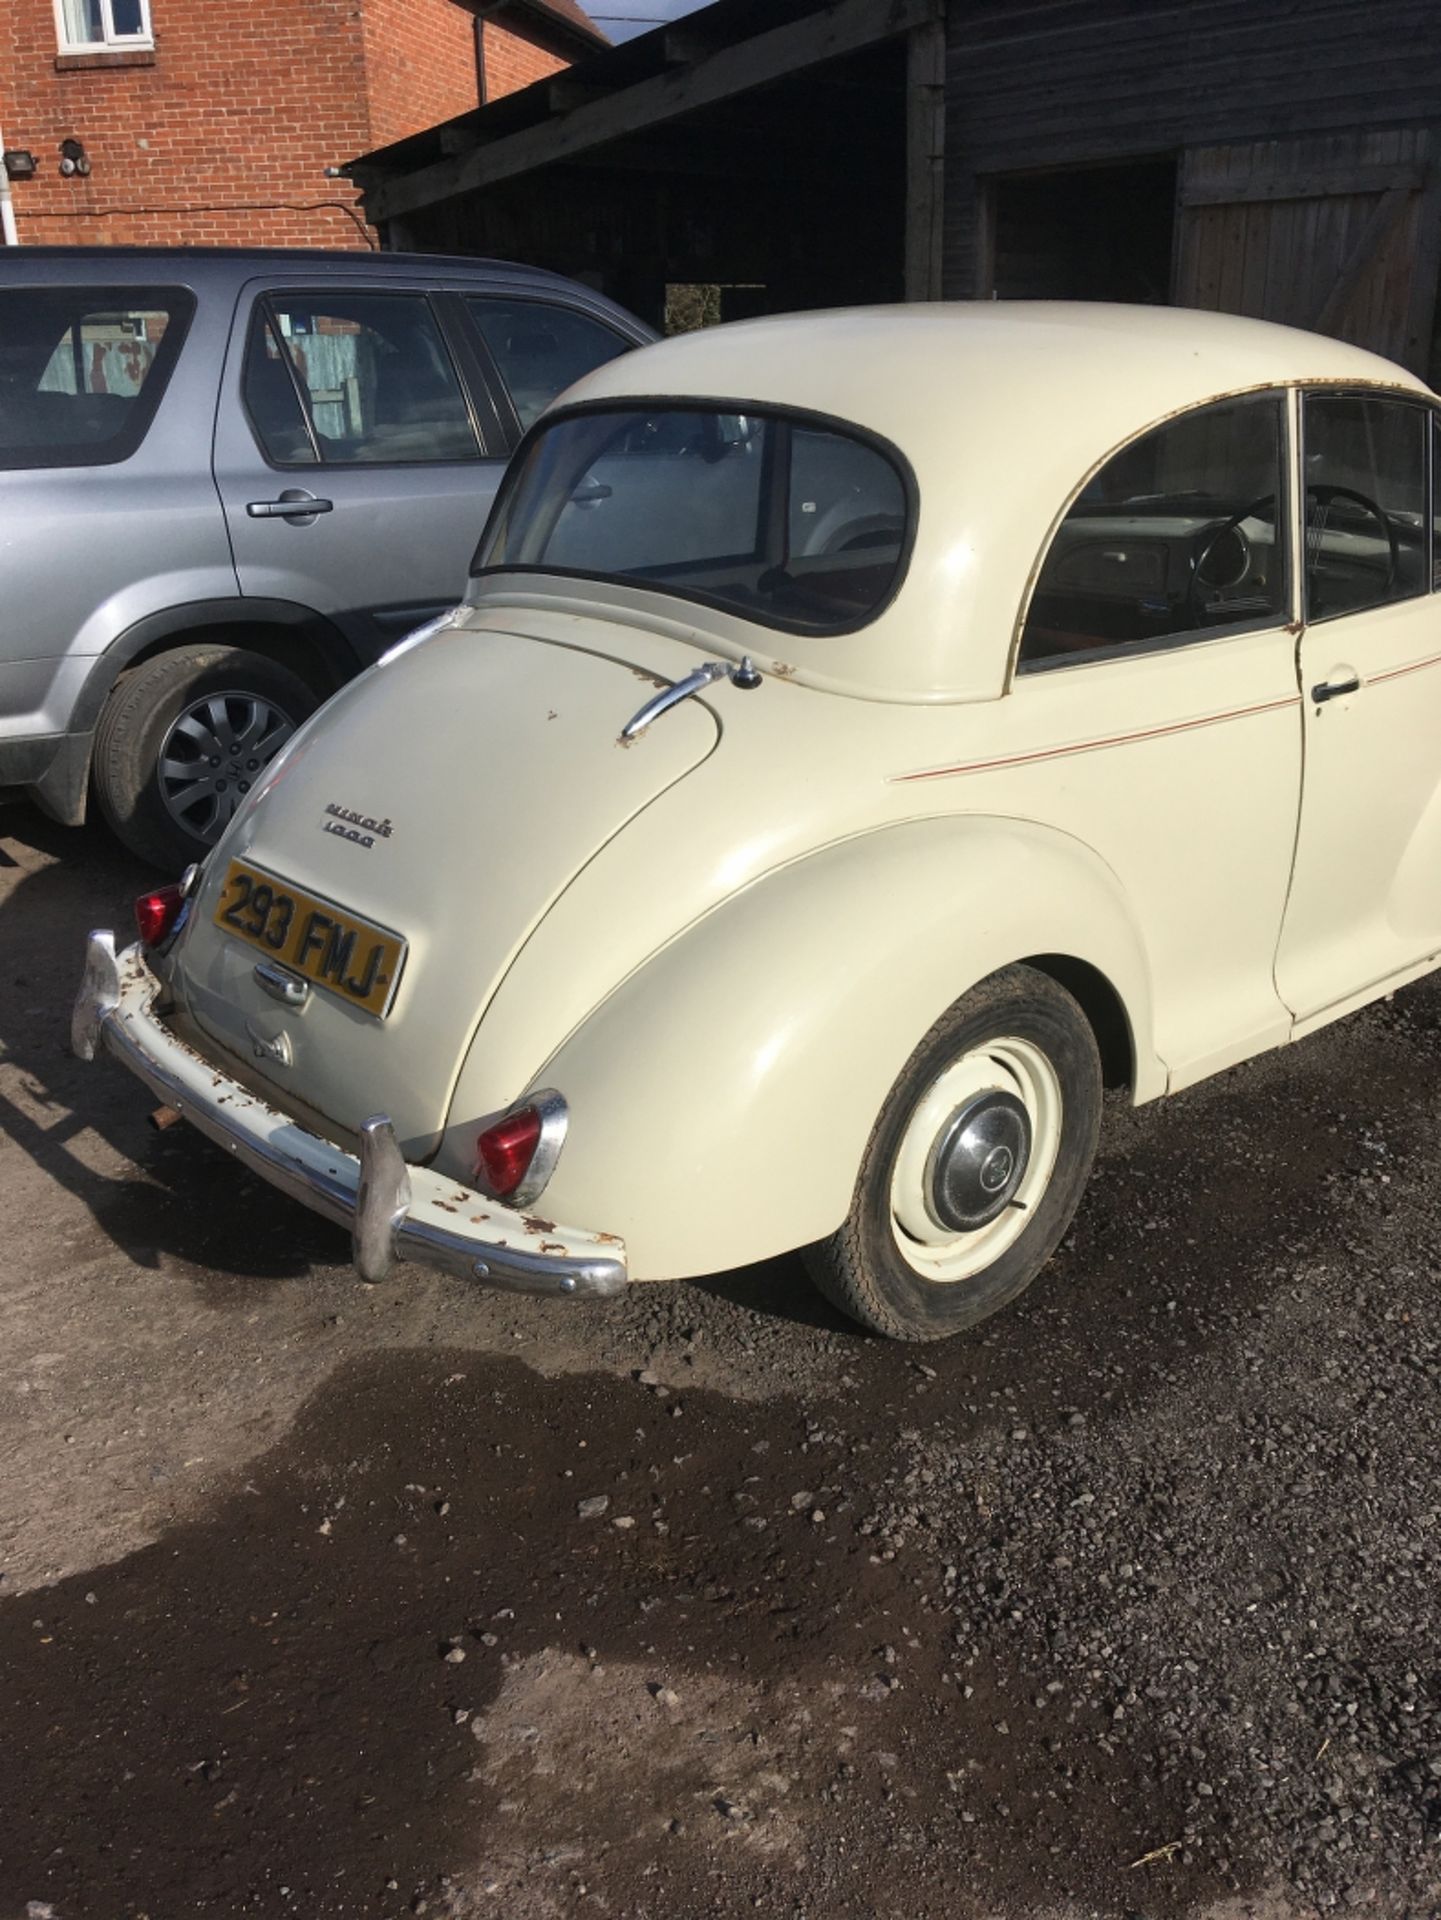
979,1161
213,755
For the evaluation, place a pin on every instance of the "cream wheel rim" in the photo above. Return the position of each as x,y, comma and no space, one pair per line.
975,1159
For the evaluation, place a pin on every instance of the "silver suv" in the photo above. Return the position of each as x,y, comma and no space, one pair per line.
230,480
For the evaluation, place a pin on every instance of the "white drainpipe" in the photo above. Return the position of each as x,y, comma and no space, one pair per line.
9,231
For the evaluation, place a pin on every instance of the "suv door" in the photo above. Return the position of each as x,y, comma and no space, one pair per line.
355,459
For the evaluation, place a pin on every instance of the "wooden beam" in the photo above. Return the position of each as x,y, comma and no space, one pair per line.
1373,236
463,139
925,157
1317,184
564,95
683,47
840,27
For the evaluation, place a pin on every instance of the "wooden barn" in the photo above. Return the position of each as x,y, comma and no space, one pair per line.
1272,157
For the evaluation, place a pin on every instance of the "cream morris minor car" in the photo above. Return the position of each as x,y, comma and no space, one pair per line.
865,735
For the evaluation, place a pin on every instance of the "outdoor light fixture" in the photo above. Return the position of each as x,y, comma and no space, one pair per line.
20,164
73,159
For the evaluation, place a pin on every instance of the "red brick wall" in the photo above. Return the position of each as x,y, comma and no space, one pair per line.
221,136
420,63
512,63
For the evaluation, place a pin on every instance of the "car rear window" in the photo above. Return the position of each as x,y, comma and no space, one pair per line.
794,522
82,370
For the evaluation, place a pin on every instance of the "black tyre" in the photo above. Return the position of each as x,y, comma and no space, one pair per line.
976,1164
182,740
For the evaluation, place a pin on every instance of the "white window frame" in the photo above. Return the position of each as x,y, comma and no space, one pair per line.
110,41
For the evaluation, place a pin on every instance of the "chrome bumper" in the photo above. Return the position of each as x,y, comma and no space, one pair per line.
394,1211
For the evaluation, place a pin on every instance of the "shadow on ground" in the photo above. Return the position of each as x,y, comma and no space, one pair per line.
705,1699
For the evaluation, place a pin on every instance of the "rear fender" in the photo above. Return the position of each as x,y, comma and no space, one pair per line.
721,1097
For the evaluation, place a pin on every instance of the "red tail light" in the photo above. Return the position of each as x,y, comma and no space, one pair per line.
156,913
503,1153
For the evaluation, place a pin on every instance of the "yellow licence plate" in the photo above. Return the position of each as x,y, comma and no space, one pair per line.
350,957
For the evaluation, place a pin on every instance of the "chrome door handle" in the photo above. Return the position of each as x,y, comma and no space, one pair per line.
1325,690
289,509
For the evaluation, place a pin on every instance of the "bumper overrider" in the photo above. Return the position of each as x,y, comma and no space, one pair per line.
394,1211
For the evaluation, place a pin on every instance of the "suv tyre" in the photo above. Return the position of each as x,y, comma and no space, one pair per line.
182,740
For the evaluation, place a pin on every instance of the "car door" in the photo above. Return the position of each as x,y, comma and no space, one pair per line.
1155,715
1365,899
106,390
357,452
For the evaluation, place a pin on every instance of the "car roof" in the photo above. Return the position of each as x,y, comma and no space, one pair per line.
1118,363
1003,409
135,262
222,271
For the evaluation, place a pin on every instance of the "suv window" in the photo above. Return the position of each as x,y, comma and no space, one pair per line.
542,349
82,370
1174,537
1365,463
374,382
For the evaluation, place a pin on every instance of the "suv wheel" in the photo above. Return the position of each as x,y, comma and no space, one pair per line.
183,739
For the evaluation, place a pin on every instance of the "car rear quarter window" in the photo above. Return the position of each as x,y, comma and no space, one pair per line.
82,370
373,382
541,349
1180,535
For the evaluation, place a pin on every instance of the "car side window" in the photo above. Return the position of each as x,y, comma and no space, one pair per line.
376,377
1174,538
541,349
272,399
82,370
1365,473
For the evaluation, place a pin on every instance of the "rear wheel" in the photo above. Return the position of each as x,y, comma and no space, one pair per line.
183,739
976,1165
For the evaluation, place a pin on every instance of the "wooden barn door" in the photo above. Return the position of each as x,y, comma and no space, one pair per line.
1340,233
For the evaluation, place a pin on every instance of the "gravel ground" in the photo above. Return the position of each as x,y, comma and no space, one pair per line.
318,1600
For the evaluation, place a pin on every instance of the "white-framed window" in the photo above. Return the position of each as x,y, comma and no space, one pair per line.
92,26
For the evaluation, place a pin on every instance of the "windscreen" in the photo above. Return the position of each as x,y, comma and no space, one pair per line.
794,524
82,370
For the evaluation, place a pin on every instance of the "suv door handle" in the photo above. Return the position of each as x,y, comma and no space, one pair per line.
290,506
1325,690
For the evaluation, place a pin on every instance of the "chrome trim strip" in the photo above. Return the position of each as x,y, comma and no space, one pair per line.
442,1224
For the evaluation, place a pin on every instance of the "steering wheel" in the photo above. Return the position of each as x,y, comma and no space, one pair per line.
1195,612
1323,497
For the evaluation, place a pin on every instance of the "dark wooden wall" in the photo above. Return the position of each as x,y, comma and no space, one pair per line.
1052,83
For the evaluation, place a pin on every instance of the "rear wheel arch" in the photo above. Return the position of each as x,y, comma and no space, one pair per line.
794,1013
292,635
